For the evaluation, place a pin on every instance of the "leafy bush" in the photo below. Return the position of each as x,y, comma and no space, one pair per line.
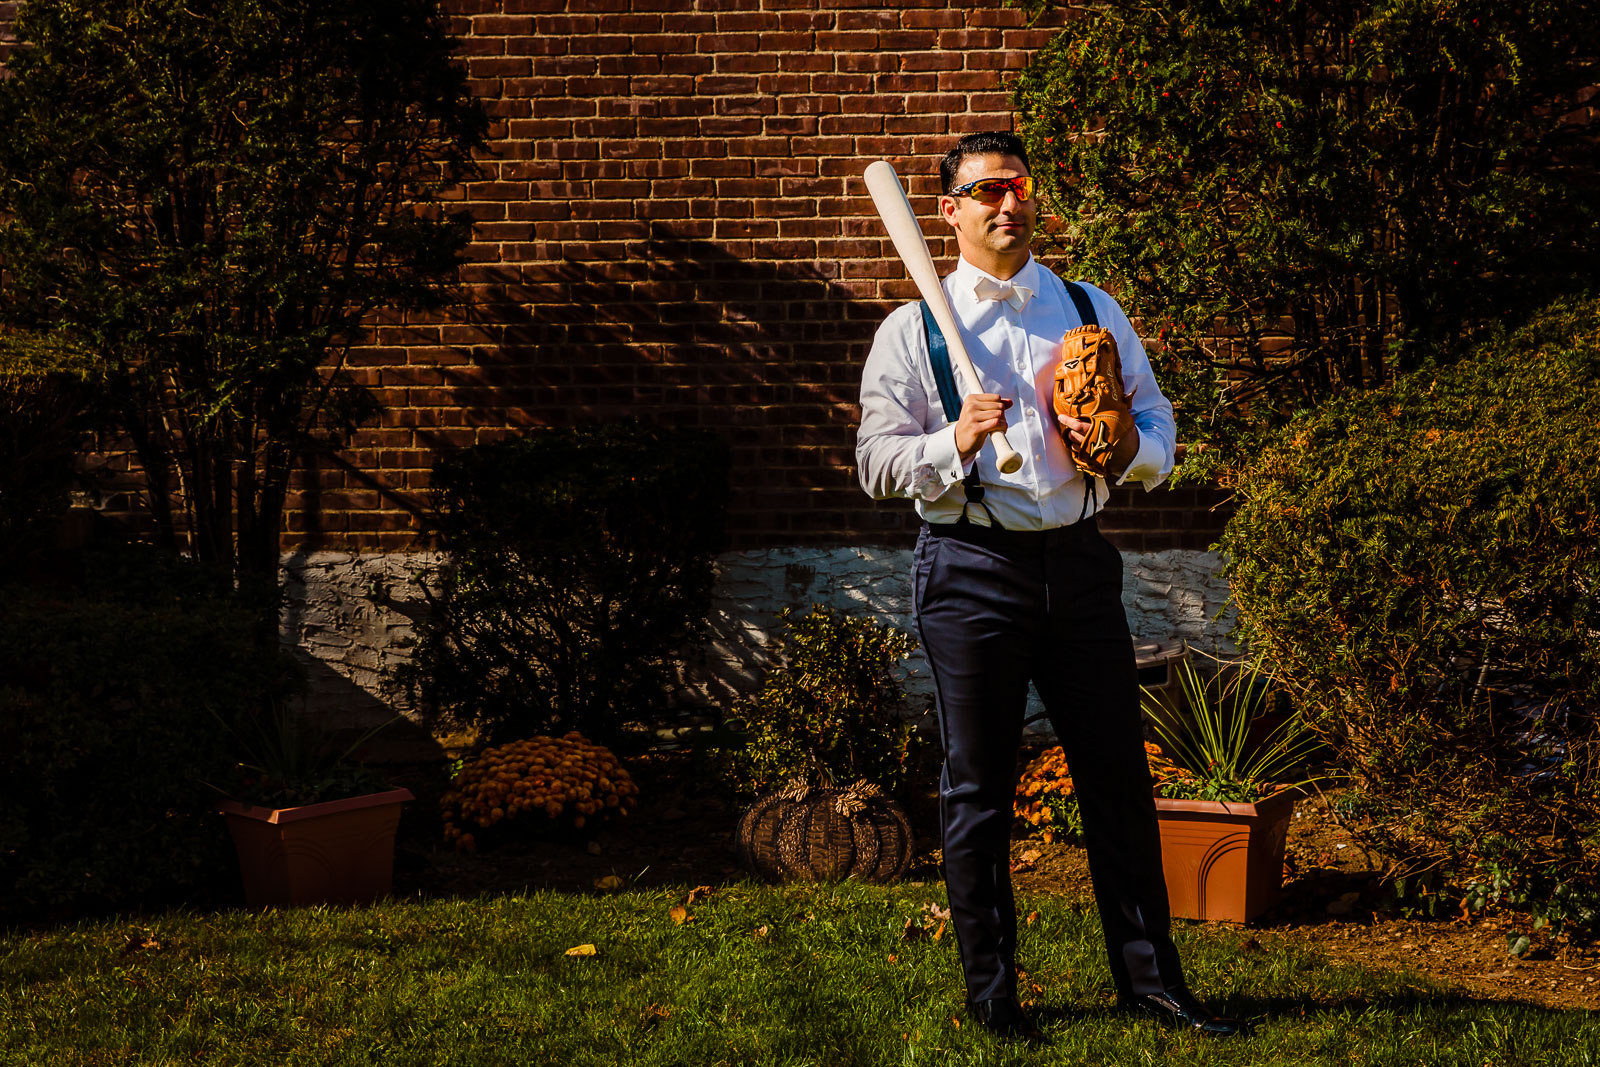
835,708
1421,565
113,712
1307,197
581,564
46,391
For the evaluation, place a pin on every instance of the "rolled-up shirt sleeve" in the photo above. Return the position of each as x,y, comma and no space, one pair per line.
904,447
1152,411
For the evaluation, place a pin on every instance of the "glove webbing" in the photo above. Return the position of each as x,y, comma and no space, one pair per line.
944,377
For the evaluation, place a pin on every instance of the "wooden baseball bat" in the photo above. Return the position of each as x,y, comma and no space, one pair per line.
894,208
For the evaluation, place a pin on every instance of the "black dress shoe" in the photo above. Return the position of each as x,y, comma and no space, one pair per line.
1004,1017
1178,1008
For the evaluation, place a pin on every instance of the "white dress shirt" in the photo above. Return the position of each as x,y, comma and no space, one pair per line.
906,447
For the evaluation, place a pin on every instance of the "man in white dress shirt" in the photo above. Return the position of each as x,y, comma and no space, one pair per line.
1015,584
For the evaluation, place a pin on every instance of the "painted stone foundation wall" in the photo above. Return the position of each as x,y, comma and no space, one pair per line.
348,616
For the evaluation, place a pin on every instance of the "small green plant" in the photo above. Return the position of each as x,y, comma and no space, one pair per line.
1549,902
289,761
1219,759
834,709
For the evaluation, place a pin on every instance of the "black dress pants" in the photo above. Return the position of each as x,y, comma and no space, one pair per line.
996,609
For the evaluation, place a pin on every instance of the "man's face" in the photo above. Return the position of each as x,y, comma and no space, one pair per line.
988,231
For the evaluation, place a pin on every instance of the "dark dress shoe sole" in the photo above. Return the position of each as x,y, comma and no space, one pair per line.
1207,1024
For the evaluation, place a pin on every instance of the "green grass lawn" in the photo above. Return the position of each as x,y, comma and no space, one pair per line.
831,981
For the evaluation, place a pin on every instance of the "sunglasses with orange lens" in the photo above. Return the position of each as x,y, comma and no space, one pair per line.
994,190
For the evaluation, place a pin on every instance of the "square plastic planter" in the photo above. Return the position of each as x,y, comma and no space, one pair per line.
336,852
1223,861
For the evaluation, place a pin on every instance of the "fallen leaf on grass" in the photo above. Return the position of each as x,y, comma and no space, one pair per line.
1026,861
955,1021
937,934
679,914
935,911
761,931
653,1015
608,884
892,957
699,892
1033,917
140,943
581,950
913,930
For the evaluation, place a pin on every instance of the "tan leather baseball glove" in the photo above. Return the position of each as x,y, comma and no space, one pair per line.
1089,386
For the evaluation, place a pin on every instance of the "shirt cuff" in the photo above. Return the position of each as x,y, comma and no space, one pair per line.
940,453
1147,463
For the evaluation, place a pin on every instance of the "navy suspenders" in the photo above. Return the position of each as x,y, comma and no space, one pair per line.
1080,300
944,377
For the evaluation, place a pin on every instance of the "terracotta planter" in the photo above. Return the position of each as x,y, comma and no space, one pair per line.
336,852
1223,861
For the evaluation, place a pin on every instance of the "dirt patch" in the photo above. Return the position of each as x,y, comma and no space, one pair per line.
682,834
1332,897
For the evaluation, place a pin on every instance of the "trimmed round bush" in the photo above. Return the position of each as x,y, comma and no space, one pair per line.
1421,565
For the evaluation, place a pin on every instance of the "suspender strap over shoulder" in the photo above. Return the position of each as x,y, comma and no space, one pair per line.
944,377
1080,300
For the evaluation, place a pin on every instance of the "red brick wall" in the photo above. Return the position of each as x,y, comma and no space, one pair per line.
672,225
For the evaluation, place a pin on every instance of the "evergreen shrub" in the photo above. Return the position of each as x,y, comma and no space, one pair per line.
581,563
833,709
114,703
1421,566
1301,197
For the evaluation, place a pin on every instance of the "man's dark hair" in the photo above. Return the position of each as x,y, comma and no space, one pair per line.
993,143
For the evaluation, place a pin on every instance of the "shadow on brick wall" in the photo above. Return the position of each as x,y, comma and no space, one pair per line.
683,332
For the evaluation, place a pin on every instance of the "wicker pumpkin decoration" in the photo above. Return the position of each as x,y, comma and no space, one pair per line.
807,832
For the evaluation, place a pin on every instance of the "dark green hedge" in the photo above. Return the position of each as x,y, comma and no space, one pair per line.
46,392
581,567
110,699
1422,565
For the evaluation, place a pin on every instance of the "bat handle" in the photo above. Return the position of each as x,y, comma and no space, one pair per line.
1006,457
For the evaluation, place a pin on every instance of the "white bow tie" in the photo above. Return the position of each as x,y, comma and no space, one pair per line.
988,289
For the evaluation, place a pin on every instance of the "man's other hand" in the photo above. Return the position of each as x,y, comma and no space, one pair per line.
1122,453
